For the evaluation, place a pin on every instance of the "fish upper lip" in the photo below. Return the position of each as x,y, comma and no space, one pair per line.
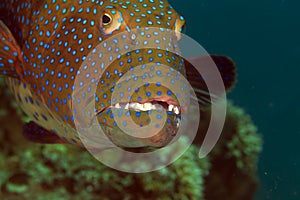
165,102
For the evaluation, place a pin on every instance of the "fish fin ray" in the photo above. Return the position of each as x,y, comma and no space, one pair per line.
35,133
10,54
227,71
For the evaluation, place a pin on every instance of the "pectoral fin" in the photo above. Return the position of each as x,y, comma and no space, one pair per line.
38,134
225,66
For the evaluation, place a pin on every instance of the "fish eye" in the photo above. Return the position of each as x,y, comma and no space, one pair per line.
106,19
110,21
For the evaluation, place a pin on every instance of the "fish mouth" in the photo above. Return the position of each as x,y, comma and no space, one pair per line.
162,138
151,104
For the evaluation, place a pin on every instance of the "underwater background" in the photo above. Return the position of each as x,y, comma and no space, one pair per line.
262,37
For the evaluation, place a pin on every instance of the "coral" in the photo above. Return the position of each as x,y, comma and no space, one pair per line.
55,171
35,171
234,158
244,146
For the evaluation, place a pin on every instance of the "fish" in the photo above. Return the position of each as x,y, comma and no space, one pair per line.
45,43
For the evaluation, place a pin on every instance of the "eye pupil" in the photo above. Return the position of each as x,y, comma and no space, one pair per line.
106,19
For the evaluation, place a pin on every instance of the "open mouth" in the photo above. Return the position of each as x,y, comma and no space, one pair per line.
151,105
155,104
139,113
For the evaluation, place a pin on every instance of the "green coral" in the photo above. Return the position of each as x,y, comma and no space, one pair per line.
234,158
245,145
66,170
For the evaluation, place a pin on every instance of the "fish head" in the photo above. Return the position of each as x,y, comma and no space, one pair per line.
136,103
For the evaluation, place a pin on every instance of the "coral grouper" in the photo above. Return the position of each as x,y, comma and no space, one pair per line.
44,46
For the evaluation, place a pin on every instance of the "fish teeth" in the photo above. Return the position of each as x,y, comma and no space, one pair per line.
173,108
136,106
146,106
176,110
170,108
133,105
139,106
127,106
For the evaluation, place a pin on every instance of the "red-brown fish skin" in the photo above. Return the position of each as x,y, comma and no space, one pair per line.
54,38
44,43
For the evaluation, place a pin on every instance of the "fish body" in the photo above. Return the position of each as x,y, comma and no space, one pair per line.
45,43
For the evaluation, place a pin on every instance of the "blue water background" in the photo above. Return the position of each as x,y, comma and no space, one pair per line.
263,39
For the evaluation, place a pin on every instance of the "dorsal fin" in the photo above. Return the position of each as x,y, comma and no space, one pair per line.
10,54
226,68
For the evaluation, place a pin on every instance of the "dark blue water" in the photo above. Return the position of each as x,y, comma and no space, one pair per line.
263,39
